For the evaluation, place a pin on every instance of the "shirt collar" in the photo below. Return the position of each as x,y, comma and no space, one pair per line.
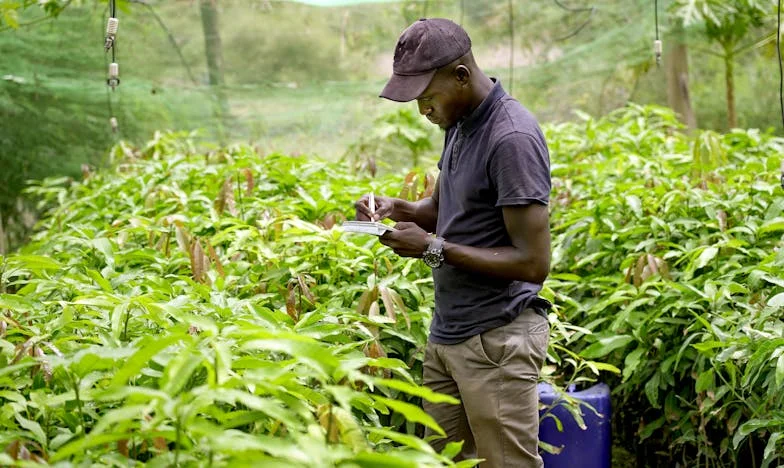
471,122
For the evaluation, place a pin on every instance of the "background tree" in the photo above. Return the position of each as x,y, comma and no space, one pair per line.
725,23
676,64
214,52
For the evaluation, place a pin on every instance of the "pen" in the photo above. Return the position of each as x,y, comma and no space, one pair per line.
372,207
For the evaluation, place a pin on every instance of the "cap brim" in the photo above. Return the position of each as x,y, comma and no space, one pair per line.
404,88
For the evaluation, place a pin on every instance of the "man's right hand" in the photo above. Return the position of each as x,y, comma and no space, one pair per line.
384,208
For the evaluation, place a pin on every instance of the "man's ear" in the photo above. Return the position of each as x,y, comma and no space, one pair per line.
462,74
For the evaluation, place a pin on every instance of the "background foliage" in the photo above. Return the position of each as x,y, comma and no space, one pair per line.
299,77
203,308
666,255
668,249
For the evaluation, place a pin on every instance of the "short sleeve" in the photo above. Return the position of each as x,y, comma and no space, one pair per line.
519,169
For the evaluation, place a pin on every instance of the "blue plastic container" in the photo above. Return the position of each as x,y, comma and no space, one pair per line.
589,448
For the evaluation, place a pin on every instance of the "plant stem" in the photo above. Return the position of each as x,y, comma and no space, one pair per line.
125,327
329,426
177,442
729,79
78,400
239,193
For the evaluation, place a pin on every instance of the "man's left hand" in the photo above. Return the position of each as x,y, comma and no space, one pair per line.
407,240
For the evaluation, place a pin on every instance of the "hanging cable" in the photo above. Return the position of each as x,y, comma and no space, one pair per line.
657,44
172,40
781,77
110,43
112,119
591,9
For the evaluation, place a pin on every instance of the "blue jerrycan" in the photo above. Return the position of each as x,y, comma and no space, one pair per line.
589,448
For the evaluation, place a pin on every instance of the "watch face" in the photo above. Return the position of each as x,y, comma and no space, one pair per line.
432,259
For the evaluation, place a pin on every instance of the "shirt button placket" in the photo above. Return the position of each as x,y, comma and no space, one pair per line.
456,147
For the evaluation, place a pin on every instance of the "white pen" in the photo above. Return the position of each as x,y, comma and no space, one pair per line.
372,205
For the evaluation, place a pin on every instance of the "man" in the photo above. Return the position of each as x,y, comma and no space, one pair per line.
491,253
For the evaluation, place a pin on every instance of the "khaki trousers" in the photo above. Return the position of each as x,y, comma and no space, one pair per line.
494,375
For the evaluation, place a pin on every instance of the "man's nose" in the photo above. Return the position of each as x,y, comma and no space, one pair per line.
424,110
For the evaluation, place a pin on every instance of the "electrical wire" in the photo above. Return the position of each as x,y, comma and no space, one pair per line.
656,16
113,13
113,45
591,9
657,44
781,76
781,67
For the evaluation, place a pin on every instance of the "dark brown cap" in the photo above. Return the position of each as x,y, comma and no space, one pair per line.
423,48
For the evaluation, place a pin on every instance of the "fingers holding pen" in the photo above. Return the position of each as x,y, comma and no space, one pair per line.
381,209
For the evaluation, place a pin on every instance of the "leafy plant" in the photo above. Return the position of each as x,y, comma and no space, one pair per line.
726,23
668,249
189,308
394,137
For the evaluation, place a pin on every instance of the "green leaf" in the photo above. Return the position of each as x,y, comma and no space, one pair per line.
130,415
382,460
15,367
635,204
651,427
34,263
705,381
772,226
652,390
100,280
232,441
146,350
417,390
403,439
452,449
777,300
631,362
706,256
780,371
104,246
308,350
33,427
11,19
605,346
771,451
411,412
80,445
179,371
273,407
550,448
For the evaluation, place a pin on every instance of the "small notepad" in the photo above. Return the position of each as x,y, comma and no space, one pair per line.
367,227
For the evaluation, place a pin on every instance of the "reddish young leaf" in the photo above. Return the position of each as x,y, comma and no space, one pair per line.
215,259
122,447
430,186
368,297
249,183
303,287
291,301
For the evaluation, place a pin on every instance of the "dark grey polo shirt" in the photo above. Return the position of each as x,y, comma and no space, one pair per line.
495,157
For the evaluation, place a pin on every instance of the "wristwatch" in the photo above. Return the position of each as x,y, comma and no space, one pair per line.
434,254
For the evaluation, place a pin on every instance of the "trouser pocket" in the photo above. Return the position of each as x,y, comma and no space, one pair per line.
525,338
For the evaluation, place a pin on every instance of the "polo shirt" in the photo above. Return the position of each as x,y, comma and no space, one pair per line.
495,157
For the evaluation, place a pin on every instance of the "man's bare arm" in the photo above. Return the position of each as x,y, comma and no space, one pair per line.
527,259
